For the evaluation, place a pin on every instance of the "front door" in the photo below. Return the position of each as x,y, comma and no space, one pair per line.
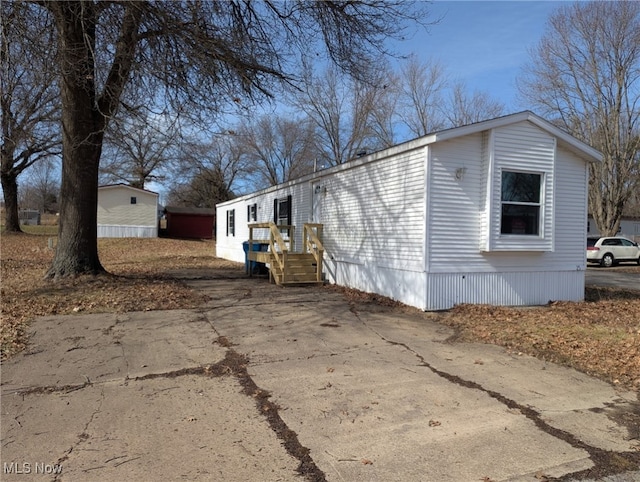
318,192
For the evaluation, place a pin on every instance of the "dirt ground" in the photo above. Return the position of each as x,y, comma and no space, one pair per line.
600,336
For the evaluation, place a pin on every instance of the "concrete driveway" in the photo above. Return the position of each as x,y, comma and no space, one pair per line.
266,383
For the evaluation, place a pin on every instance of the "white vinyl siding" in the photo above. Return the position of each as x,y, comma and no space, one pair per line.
375,215
454,205
122,231
486,167
458,210
570,212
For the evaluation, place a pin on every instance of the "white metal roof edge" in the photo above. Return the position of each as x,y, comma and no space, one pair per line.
592,154
121,184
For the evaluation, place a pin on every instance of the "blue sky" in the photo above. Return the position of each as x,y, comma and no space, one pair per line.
483,43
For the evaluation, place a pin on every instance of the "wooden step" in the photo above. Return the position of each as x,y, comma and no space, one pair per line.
296,279
299,268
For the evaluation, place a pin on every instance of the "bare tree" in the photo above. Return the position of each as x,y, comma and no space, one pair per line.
29,101
584,74
632,208
279,149
138,149
461,108
423,86
206,54
384,118
204,190
43,185
342,110
207,171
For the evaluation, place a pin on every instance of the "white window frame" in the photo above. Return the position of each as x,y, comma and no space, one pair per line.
231,222
283,215
252,212
540,204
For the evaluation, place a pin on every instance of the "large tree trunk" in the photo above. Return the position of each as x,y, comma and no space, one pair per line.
77,248
10,190
84,119
8,176
82,134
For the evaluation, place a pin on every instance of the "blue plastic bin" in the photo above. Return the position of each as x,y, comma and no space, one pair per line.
254,266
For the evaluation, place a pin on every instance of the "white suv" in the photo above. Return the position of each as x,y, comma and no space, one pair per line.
609,251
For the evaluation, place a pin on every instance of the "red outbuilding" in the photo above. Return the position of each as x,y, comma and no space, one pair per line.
186,222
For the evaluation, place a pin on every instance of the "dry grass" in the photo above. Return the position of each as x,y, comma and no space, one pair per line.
600,336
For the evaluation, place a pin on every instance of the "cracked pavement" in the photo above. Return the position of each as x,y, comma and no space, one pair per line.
265,383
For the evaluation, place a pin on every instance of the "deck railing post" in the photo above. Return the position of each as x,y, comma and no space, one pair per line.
292,238
319,266
249,251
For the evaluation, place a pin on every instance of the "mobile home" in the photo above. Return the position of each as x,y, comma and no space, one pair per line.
127,212
493,212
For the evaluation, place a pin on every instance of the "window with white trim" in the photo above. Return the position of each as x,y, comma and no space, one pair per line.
231,222
521,203
252,212
282,210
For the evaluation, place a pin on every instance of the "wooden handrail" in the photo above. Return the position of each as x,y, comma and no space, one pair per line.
312,239
312,232
275,240
277,245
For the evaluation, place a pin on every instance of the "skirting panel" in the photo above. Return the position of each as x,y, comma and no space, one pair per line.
122,231
444,290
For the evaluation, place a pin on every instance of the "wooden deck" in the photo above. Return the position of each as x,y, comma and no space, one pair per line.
287,266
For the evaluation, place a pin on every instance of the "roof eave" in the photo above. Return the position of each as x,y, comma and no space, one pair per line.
591,154
121,184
